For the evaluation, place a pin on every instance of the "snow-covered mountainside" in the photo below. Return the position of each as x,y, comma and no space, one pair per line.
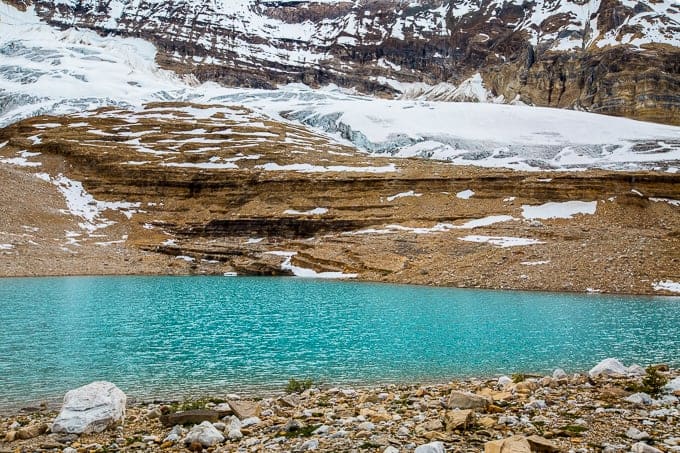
616,57
45,70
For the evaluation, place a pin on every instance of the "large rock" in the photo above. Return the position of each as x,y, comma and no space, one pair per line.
608,368
91,409
465,400
204,435
244,409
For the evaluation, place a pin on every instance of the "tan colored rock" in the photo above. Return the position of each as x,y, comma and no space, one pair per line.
465,400
458,419
31,431
542,445
486,422
521,444
244,409
10,436
514,444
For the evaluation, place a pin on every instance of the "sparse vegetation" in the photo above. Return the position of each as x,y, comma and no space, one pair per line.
654,381
518,377
295,386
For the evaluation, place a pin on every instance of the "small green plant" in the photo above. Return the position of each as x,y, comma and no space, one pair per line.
305,431
295,386
518,377
653,382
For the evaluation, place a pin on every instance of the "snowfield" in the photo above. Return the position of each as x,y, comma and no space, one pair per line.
48,71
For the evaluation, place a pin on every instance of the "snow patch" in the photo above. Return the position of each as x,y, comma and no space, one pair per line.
315,211
465,194
558,210
306,273
410,193
501,241
667,285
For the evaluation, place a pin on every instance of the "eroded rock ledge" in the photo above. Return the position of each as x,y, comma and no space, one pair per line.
191,189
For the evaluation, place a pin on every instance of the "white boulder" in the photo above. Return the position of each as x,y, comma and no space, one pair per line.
204,434
640,398
91,408
609,368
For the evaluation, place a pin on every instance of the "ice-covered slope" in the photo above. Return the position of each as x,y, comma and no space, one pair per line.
44,70
607,56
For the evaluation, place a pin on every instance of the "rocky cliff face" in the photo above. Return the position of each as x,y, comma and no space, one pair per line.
618,57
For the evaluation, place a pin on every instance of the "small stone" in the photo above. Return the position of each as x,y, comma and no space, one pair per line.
321,430
432,447
642,447
175,434
10,436
366,426
223,409
465,400
486,422
636,434
504,381
154,413
458,419
69,450
403,431
220,426
640,398
310,445
559,374
152,439
235,434
250,421
390,449
536,404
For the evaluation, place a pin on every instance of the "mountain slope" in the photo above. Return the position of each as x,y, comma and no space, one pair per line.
618,57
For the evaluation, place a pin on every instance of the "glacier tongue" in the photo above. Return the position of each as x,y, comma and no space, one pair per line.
47,71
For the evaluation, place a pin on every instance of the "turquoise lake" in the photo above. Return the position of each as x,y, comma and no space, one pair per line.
174,337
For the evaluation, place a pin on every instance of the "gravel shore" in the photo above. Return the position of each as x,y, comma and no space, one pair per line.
579,413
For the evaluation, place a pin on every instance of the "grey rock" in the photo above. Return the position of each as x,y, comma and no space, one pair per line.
465,400
642,447
310,445
91,408
559,373
640,398
235,434
636,434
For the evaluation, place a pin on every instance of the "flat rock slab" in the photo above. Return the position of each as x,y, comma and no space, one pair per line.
244,409
192,417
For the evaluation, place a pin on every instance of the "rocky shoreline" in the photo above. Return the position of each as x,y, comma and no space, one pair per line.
606,409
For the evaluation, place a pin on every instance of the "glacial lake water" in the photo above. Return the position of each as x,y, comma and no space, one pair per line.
174,337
